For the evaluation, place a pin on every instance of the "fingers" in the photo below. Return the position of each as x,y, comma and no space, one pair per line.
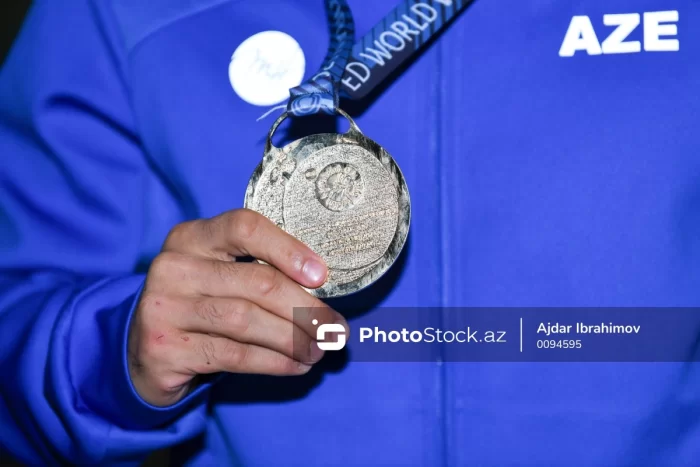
260,284
247,323
244,232
201,312
209,354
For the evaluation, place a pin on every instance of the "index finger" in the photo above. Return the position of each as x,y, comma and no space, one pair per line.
244,232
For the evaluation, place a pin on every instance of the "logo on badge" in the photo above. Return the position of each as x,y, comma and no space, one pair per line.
265,66
328,328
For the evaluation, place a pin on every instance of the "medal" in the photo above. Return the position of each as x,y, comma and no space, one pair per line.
342,195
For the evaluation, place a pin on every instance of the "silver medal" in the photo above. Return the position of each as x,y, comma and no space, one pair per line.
343,196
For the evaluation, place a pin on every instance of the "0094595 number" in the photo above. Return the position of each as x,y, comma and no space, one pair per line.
559,344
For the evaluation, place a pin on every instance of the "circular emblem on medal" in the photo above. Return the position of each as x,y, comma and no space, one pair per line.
344,197
339,186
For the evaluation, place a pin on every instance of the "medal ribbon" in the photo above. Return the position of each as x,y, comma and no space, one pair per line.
320,93
399,36
355,69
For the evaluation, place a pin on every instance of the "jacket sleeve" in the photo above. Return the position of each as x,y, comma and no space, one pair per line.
74,186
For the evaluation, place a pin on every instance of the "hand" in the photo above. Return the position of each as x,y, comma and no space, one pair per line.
201,312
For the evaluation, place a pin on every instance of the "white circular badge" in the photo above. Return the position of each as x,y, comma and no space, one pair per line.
265,66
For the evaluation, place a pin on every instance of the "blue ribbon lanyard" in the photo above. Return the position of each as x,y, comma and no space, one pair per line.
320,93
357,68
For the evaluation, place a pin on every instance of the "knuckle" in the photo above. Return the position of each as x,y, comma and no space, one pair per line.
152,304
159,266
180,234
244,224
240,317
149,300
150,353
152,344
235,355
206,229
163,264
266,280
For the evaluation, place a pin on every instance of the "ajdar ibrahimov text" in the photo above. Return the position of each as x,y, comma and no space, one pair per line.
581,328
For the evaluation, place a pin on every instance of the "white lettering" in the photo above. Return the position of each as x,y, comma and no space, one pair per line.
394,336
415,24
395,47
361,77
626,23
653,30
430,16
377,56
403,30
365,333
580,36
657,24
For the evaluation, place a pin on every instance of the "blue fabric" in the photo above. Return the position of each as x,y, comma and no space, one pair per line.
536,180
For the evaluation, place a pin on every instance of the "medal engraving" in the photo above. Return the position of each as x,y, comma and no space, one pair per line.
340,194
338,187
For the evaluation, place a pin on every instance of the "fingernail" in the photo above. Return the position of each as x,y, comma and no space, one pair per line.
315,352
315,271
304,367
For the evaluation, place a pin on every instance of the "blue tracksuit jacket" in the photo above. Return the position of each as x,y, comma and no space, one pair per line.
553,157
